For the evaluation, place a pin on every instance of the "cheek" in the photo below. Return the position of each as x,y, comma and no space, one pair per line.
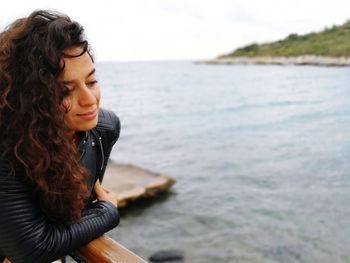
97,94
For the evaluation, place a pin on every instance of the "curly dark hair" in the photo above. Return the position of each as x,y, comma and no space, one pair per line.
32,128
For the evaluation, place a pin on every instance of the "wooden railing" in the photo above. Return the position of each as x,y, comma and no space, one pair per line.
106,250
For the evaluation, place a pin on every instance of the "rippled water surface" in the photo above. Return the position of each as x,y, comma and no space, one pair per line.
261,155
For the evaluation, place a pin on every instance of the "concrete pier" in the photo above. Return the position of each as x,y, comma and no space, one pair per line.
130,182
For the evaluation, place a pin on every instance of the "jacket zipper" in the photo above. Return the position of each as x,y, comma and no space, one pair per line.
102,153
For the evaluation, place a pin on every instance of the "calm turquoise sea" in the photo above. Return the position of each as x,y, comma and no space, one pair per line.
261,155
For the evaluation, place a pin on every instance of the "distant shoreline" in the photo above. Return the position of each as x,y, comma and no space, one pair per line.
299,60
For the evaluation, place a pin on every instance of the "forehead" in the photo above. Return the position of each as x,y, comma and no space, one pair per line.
76,67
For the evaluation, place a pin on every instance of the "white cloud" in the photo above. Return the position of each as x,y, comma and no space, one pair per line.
185,29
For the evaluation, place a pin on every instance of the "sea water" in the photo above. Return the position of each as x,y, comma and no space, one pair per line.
261,156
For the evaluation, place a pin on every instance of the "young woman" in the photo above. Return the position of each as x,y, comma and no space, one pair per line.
55,141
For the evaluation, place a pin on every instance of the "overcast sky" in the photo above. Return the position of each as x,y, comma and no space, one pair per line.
135,30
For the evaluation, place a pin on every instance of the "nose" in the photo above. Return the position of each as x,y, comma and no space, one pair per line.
86,96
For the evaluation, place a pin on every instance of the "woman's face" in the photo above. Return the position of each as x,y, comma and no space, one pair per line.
83,99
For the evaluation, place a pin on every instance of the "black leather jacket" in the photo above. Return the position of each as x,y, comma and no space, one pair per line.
25,233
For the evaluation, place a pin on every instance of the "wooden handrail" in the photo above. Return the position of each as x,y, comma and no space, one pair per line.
106,250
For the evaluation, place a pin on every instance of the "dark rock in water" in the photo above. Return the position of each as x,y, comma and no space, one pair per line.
171,256
285,253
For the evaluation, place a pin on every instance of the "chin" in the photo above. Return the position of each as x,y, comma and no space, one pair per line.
89,126
85,126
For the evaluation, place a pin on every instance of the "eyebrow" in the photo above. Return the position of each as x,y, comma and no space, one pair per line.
72,81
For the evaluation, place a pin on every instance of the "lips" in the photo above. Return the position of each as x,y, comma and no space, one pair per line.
88,115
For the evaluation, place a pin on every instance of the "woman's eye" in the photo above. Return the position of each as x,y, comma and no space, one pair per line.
67,91
92,83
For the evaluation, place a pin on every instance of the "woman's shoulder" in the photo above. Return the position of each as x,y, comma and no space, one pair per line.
13,178
108,124
107,119
9,170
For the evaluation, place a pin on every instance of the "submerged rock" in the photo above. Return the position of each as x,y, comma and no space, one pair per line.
285,253
170,256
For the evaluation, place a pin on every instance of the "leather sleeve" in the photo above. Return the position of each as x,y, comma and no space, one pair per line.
26,235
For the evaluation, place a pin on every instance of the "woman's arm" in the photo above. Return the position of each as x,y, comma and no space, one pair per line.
27,236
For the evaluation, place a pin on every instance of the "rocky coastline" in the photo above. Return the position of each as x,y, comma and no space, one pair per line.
299,60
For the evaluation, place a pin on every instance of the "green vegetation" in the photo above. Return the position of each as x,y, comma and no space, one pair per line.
334,42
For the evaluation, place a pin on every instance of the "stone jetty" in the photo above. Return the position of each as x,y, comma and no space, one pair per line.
130,182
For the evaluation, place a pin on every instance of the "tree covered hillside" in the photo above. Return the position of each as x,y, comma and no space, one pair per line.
334,42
